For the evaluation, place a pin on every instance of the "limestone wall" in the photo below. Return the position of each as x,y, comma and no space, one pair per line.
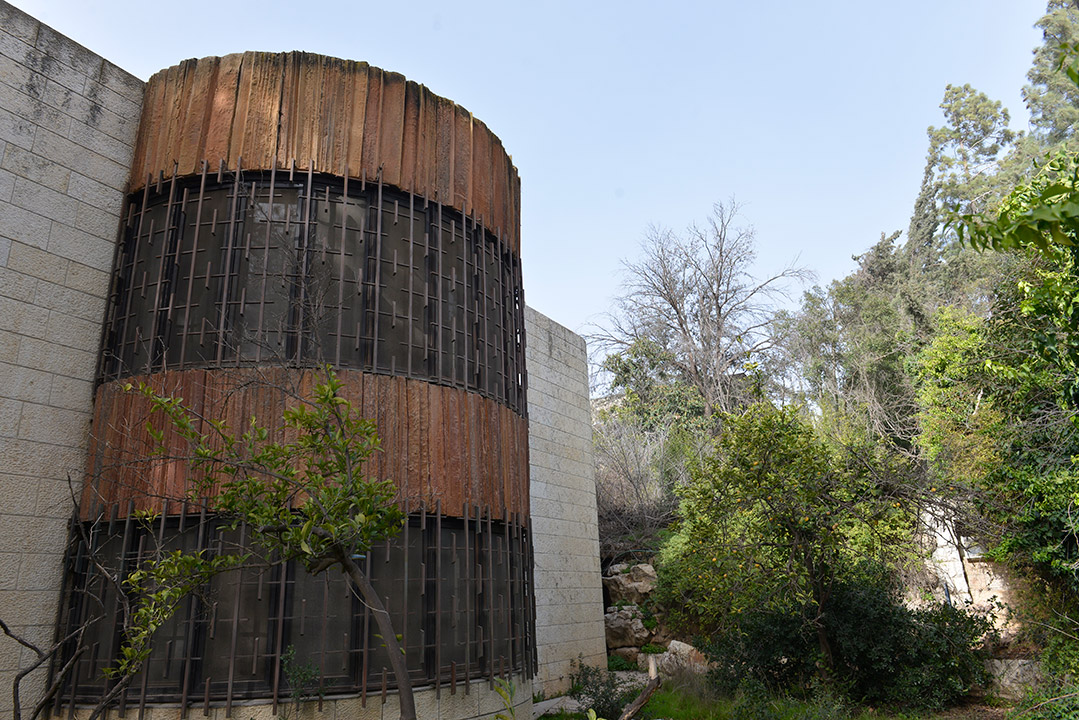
481,702
569,595
67,128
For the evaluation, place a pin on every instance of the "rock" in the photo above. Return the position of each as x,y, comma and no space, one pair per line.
629,584
1012,677
624,628
679,657
662,635
628,654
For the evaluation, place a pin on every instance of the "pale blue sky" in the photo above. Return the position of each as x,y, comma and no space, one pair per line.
621,115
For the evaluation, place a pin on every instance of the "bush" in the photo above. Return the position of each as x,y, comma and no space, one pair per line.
918,659
616,663
599,690
1054,703
927,658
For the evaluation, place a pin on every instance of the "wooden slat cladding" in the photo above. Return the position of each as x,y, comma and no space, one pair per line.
341,117
438,443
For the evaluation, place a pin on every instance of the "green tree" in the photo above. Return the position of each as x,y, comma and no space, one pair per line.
770,518
1051,97
964,153
962,432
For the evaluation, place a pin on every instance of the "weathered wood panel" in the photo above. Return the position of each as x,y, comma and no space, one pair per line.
337,116
438,442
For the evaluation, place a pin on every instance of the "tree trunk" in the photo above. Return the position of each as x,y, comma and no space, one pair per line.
385,627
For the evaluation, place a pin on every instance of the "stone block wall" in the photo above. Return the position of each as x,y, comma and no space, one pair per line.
67,128
569,594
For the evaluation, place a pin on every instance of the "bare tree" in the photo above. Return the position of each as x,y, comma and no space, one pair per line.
695,296
636,472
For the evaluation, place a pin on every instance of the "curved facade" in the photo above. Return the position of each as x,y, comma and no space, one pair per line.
289,211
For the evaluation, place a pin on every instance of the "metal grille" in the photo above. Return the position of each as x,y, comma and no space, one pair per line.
230,269
459,591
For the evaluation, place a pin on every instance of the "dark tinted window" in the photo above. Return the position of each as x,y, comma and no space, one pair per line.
267,270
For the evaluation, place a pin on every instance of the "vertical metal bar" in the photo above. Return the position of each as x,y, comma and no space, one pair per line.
283,568
366,663
470,620
490,599
226,271
303,270
438,597
112,307
234,636
341,271
260,327
146,666
500,304
530,570
514,588
465,251
440,304
485,310
160,291
126,313
405,596
323,636
505,562
428,268
125,550
523,402
189,626
378,274
71,702
411,278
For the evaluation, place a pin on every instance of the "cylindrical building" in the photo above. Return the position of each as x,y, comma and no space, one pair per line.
285,212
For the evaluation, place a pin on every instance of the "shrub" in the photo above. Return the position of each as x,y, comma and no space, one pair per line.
925,658
599,690
1051,703
918,659
652,649
617,662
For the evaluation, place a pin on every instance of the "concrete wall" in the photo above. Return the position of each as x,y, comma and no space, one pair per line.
481,702
67,125
569,594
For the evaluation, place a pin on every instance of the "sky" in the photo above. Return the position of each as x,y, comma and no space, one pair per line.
630,115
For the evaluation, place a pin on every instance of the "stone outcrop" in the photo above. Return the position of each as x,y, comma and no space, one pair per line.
1012,677
679,657
629,584
625,627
